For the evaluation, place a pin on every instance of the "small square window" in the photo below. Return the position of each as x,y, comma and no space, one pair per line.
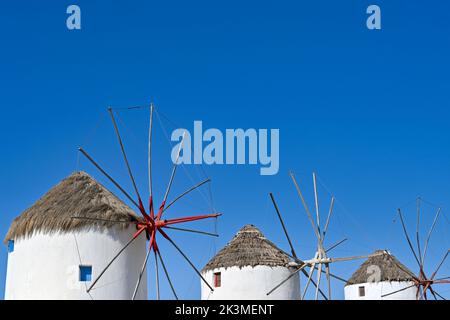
362,291
85,273
217,279
10,245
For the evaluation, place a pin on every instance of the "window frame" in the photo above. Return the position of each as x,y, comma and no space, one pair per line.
87,276
361,291
11,245
217,279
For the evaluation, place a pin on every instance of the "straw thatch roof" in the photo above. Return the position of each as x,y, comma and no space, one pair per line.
78,195
391,269
249,247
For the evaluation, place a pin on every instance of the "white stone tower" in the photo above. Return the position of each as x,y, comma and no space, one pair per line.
247,268
381,277
54,255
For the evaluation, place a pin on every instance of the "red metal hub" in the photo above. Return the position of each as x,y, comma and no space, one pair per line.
152,224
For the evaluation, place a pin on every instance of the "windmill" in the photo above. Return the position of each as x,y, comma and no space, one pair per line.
321,261
422,281
152,222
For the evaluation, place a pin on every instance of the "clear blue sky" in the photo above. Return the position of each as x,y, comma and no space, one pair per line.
369,110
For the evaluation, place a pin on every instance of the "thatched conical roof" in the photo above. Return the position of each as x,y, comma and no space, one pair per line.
249,247
391,269
78,195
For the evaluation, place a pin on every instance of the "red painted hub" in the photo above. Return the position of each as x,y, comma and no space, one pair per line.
152,224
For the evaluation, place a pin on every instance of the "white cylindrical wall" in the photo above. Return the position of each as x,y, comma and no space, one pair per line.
375,291
251,283
46,266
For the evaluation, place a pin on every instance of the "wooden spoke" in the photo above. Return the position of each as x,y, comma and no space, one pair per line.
407,238
440,264
396,291
144,265
114,258
335,245
108,176
150,130
316,200
156,276
185,193
311,272
440,296
327,270
417,233
193,231
122,148
305,205
174,169
319,276
167,274
429,235
186,258
355,257
285,280
103,220
328,218
282,225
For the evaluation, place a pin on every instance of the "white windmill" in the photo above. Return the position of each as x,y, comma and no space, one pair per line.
53,256
422,282
110,235
151,224
321,261
247,267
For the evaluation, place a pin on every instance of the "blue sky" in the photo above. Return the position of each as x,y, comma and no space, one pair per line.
367,110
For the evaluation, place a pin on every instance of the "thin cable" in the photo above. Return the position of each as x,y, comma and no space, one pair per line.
89,137
158,114
81,263
347,213
129,108
77,165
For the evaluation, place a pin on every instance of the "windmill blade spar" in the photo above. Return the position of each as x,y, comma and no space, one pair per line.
397,291
144,265
319,276
408,239
114,258
300,262
327,270
316,200
311,272
335,245
186,258
108,176
355,257
185,193
285,280
193,231
174,169
305,205
328,218
429,234
417,233
122,148
440,264
103,220
156,276
150,130
167,274
283,225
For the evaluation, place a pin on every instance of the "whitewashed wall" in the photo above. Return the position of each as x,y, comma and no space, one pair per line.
252,283
47,266
374,291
